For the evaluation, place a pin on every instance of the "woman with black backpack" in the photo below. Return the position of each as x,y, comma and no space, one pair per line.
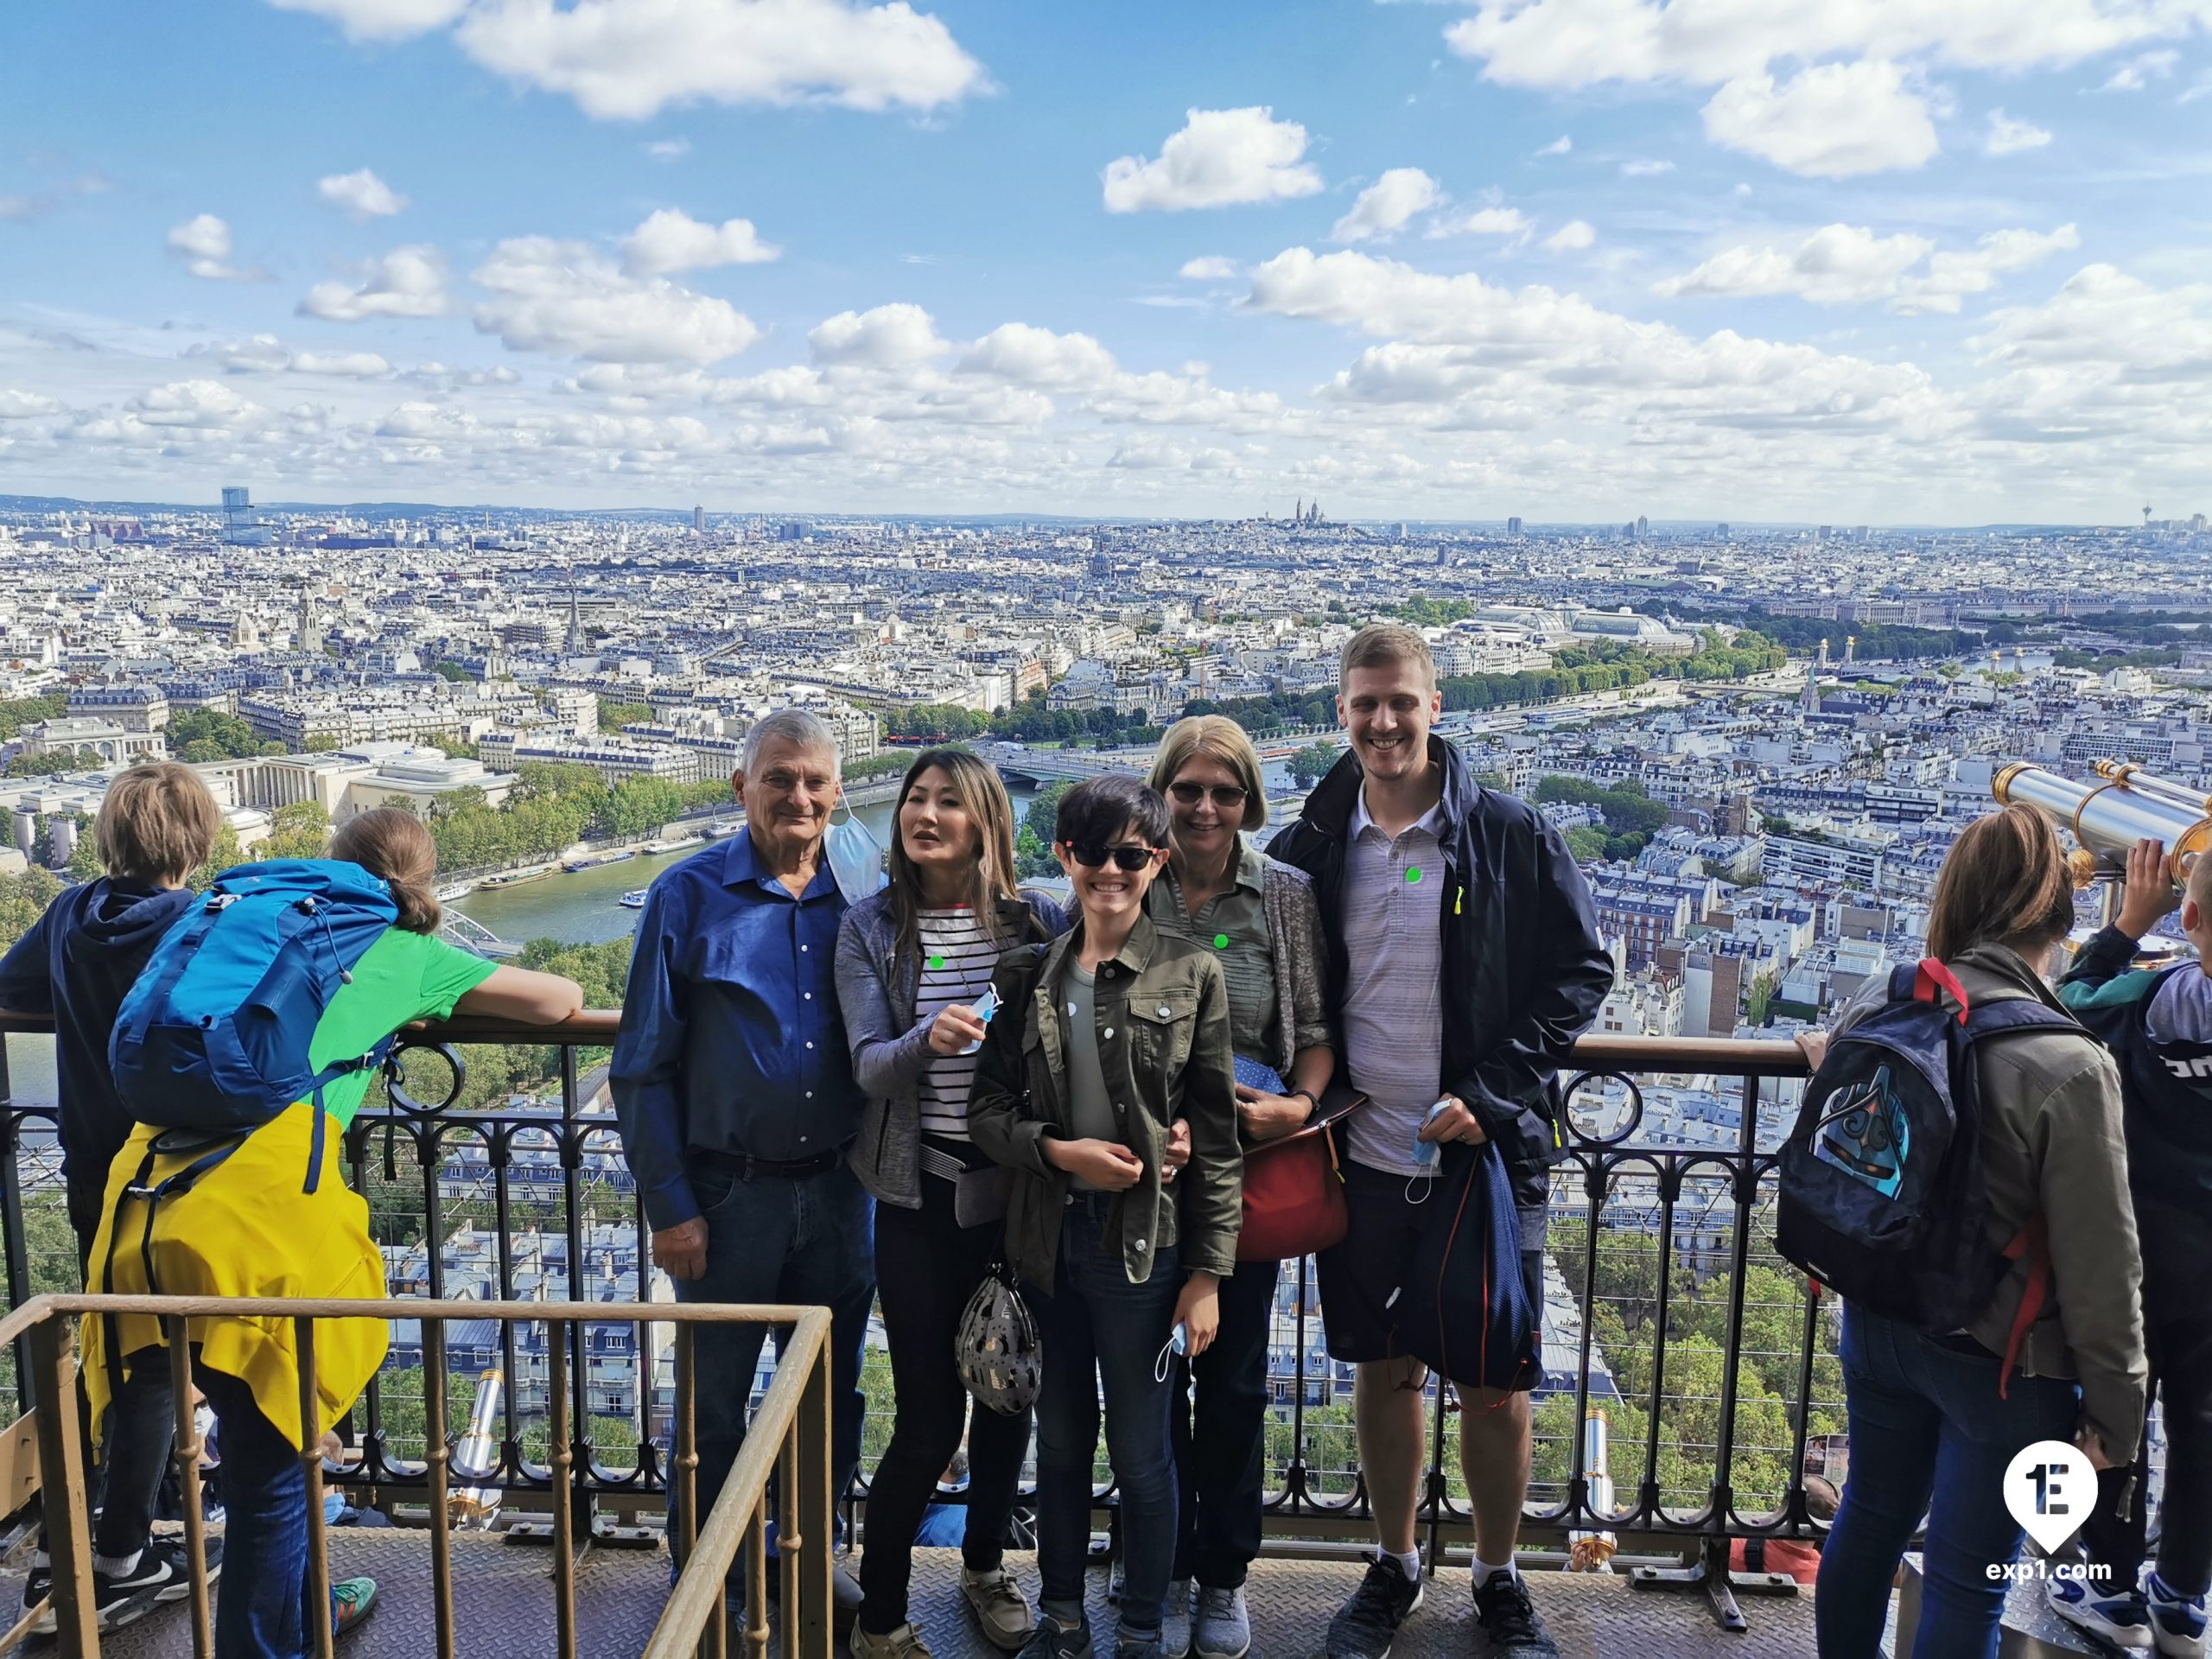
1936,1417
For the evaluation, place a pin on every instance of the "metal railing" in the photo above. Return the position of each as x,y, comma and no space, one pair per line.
790,1433
556,1213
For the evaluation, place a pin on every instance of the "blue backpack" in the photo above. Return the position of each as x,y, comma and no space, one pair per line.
1881,1191
213,1037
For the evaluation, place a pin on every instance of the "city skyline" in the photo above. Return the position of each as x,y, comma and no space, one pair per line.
1556,259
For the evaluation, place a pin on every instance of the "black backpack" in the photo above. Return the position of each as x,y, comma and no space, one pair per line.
1881,1192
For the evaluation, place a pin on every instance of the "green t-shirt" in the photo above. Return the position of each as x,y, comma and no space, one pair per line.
402,978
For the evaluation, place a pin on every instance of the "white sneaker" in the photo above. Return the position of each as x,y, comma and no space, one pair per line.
2176,1622
2120,1620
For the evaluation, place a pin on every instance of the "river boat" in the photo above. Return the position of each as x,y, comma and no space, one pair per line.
633,899
516,878
453,891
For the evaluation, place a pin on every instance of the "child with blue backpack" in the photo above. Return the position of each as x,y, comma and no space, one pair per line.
245,1050
2158,1026
77,962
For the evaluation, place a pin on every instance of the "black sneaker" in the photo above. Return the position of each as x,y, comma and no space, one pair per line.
1506,1614
124,1598
37,1588
1365,1626
1053,1640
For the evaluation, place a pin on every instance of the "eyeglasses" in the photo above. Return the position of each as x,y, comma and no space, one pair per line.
1125,858
1225,795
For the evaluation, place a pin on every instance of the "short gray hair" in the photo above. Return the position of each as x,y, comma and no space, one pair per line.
800,727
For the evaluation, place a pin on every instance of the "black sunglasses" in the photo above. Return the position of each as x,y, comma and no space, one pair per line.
1224,794
1132,859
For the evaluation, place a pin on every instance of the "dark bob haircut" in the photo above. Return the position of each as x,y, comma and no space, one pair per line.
1096,811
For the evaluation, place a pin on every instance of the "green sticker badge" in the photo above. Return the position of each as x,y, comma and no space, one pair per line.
1221,941
936,961
1413,872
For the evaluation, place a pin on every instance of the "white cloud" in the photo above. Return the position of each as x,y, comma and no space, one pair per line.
566,298
24,405
1385,206
204,243
2008,134
1220,158
1847,57
1640,169
362,194
352,365
1487,221
1576,233
1844,264
672,240
380,19
1208,268
1563,45
668,149
2141,71
1562,145
628,60
1037,357
1835,264
895,336
196,403
266,354
409,282
1835,120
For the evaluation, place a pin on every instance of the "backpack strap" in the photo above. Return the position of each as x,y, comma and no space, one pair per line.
183,1182
1929,977
316,1084
2032,1242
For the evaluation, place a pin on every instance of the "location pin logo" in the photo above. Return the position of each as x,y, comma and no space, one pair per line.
2050,1488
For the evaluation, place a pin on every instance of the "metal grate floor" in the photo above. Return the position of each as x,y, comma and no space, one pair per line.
504,1607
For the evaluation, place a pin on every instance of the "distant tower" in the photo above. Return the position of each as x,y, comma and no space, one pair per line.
310,624
1643,526
2146,511
1824,654
698,521
1298,511
575,614
1850,648
237,512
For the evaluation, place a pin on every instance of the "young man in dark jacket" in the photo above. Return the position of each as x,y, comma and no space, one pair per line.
1464,959
2158,1026
78,962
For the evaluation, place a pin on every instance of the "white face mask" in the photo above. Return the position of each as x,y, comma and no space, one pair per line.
856,857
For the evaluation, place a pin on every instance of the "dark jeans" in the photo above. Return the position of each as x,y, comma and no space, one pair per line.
805,1242
1929,1436
125,1482
2177,1329
1220,1464
1103,1335
927,1268
262,1612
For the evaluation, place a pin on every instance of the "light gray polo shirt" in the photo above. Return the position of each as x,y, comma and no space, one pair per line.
1393,1010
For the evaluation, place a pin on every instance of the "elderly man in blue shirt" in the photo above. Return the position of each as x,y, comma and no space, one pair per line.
734,1089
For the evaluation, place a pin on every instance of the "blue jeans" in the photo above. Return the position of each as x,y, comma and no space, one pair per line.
1103,1335
262,1612
808,1242
1929,1436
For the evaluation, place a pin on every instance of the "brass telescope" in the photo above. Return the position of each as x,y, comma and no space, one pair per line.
2121,806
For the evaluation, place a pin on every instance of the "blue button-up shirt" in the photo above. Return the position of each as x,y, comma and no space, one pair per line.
731,1039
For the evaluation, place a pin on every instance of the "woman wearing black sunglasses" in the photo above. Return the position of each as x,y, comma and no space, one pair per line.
1106,1038
1259,918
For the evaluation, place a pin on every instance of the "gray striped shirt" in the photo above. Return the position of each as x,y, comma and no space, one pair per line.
1393,1010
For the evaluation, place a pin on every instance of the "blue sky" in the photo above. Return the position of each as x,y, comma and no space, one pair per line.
1855,260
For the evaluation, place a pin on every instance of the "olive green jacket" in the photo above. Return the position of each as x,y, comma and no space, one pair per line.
1162,1010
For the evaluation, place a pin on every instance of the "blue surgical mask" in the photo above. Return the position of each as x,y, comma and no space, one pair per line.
855,858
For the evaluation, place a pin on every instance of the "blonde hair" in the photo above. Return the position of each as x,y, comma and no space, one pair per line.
1385,644
156,823
2198,888
393,844
2005,881
977,786
1216,738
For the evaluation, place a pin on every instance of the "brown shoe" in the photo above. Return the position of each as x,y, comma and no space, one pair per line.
1000,1607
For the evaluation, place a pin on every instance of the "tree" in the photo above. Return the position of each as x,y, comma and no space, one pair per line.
1032,848
1308,764
299,830
1588,845
1759,999
613,715
200,735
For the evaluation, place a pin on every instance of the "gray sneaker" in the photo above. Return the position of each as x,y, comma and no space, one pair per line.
1127,1646
1175,1620
1221,1629
999,1608
904,1642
